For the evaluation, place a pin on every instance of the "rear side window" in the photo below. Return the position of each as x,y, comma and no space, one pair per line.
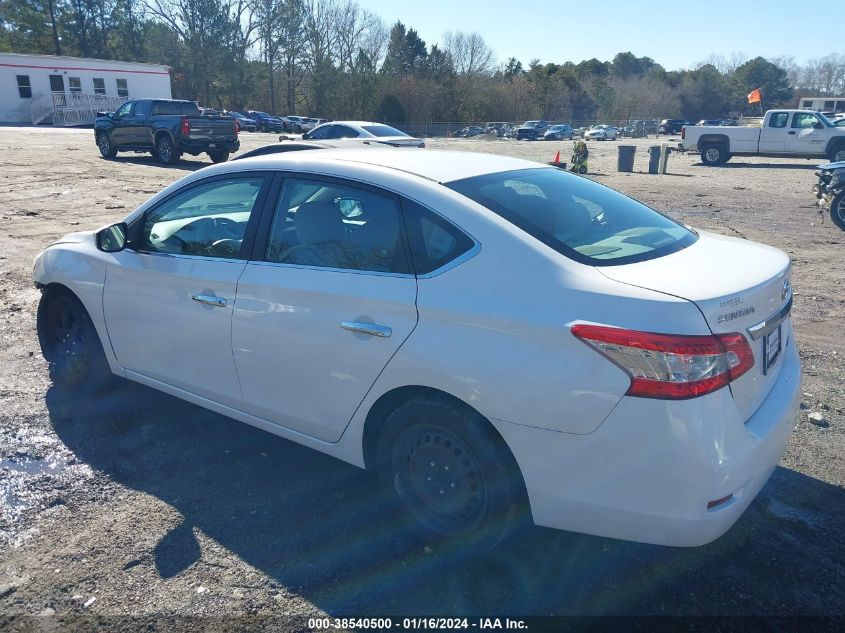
326,224
383,130
434,241
779,119
167,107
579,218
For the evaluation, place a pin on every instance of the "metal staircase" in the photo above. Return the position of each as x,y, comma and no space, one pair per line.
72,108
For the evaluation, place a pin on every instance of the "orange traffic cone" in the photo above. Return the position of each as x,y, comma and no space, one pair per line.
557,156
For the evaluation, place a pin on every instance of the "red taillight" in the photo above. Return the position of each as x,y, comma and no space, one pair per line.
671,366
237,127
186,126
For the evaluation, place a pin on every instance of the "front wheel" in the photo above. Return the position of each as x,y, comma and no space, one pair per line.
453,476
70,343
837,209
713,155
218,156
107,148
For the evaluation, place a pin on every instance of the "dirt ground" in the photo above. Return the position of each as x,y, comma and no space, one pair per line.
142,505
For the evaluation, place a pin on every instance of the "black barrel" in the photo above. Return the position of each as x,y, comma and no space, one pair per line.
625,158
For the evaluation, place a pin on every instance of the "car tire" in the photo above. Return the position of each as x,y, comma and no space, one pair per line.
70,343
837,209
166,151
582,170
451,475
218,156
107,148
837,154
713,154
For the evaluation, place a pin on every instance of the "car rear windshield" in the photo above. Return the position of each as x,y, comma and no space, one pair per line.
383,130
577,217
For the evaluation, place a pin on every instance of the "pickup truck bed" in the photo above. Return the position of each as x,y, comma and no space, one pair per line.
167,129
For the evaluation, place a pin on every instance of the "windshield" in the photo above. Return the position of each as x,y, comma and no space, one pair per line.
824,119
382,130
530,124
577,217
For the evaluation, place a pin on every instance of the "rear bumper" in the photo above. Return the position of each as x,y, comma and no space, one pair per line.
198,147
648,472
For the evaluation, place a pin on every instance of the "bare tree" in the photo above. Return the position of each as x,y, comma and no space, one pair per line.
470,54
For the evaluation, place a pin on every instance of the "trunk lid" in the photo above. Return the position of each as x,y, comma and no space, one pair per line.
737,285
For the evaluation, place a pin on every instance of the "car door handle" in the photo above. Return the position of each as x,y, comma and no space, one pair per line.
210,300
791,132
367,328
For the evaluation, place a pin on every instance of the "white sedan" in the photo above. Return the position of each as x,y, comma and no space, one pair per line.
366,132
601,133
495,337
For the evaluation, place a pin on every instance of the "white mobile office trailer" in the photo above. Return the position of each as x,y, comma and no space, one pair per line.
69,90
834,105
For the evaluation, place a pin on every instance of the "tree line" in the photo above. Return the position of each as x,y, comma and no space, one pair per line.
333,58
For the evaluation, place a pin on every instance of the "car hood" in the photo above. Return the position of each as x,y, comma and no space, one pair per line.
78,237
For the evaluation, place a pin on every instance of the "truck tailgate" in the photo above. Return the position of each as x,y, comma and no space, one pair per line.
210,129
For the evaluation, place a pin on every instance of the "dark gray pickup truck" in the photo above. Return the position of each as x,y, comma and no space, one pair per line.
167,128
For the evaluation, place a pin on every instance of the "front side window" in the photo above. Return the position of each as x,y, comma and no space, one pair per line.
577,217
122,88
99,86
804,120
330,225
75,84
779,119
123,111
24,87
207,220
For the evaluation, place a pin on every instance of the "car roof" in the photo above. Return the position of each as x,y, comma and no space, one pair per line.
436,165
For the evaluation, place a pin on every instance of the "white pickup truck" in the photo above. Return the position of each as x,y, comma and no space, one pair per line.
799,133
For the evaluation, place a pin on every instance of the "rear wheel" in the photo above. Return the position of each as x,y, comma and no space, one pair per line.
454,478
107,149
166,151
219,156
837,154
70,343
837,209
713,154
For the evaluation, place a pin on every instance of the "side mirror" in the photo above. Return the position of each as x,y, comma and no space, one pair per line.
112,239
818,126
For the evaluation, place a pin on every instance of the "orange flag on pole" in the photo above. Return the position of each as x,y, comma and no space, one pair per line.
754,96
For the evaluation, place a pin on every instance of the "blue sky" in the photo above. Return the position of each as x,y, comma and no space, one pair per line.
673,33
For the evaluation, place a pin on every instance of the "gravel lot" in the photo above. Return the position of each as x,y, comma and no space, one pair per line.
141,505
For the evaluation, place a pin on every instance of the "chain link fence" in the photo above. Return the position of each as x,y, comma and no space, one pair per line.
634,127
